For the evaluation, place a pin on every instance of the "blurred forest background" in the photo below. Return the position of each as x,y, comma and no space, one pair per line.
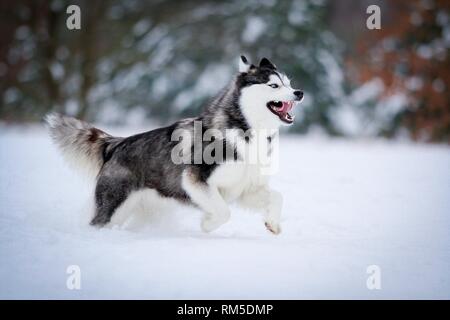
137,61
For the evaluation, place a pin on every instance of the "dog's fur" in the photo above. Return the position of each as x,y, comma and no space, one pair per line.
124,166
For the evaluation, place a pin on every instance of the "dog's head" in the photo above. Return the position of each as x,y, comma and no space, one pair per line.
266,94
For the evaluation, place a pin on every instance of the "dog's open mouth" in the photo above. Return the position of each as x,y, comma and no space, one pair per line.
281,109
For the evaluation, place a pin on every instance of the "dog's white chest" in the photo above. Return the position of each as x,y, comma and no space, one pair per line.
234,178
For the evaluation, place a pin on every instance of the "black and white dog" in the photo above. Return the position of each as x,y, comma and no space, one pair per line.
258,98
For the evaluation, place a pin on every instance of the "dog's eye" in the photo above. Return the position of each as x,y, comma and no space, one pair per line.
274,85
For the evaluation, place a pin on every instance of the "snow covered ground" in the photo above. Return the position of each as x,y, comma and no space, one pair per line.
348,205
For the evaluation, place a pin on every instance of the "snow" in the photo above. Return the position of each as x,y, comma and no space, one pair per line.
348,205
203,86
351,115
254,29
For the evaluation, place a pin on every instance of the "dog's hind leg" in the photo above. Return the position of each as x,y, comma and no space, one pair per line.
110,193
208,199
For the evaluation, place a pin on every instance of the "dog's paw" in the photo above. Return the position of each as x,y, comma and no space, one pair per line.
210,224
273,227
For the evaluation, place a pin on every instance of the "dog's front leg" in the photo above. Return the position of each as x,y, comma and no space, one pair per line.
210,201
267,200
216,211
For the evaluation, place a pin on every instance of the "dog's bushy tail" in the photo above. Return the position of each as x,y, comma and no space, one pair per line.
81,144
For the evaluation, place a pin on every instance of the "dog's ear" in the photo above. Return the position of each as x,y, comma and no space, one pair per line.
244,65
265,63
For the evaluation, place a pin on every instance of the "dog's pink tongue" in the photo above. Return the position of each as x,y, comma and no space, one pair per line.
286,107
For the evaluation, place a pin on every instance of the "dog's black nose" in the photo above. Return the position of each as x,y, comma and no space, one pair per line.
298,94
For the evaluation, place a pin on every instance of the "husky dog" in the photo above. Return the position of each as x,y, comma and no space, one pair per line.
258,97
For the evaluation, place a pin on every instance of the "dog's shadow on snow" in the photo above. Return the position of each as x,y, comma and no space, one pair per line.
183,223
187,226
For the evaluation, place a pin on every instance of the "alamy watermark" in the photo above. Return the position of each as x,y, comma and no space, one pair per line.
213,146
373,281
373,22
73,281
73,21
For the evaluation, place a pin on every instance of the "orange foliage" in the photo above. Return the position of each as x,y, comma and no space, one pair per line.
411,56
